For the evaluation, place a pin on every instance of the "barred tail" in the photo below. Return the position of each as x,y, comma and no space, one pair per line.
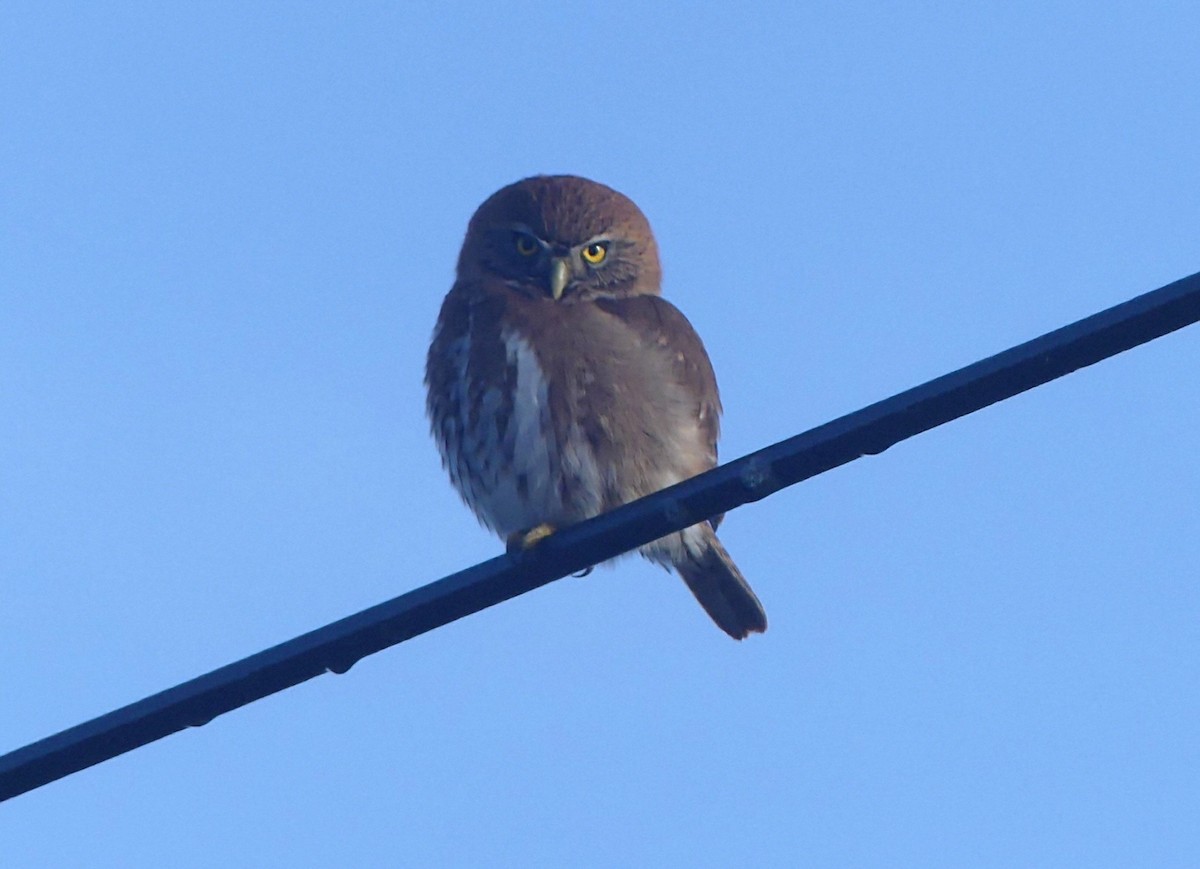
720,588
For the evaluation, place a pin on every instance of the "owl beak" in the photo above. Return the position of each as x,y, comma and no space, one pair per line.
560,276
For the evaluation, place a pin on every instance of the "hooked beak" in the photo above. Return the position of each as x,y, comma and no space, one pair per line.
560,276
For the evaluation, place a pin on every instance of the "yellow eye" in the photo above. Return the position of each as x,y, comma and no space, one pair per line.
526,244
595,252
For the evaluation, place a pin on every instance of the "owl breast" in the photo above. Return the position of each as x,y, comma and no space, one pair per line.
499,442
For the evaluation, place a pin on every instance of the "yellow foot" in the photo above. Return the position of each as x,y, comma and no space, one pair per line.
522,540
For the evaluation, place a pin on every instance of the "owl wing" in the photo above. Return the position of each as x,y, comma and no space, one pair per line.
662,326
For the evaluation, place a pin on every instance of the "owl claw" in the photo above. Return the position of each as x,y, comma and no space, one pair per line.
520,541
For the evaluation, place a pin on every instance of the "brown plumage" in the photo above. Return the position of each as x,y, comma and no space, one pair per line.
561,385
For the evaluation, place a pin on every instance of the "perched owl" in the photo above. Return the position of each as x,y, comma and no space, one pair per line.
561,384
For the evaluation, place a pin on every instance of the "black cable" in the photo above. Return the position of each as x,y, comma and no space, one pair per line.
336,647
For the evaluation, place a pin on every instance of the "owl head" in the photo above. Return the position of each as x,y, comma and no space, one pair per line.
564,239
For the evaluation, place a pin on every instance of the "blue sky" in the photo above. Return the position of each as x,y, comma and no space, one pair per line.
225,232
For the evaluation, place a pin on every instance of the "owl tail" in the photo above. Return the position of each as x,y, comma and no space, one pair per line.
720,587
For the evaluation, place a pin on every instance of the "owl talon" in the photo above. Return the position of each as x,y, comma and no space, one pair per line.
521,541
583,572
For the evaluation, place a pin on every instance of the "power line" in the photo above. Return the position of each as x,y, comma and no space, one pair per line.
337,646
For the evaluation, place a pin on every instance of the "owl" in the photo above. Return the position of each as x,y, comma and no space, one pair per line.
560,384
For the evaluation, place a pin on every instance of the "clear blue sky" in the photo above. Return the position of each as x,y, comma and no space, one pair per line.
225,231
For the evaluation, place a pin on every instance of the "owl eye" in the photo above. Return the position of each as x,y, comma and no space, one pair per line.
525,244
595,252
